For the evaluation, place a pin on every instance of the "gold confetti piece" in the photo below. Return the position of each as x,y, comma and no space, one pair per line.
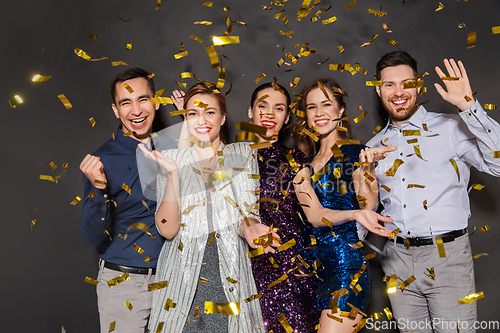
256,252
118,63
347,142
287,33
160,327
393,42
495,30
129,305
480,255
169,304
392,284
377,315
53,165
91,281
350,5
214,59
284,323
490,106
92,36
111,200
207,3
146,259
129,88
260,145
196,312
496,154
471,298
378,13
471,39
100,58
394,233
49,178
76,200
361,116
321,172
406,283
65,101
129,47
224,40
203,22
450,78
388,313
92,121
126,188
369,177
415,186
330,20
82,54
386,28
370,256
186,75
279,280
40,78
118,279
188,210
425,204
385,187
327,222
232,280
440,246
181,55
478,187
357,245
251,298
456,167
373,83
157,285
287,245
412,141
413,84
112,326
229,309
392,171
198,39
162,100
202,279
370,41
212,237
251,127
15,100
138,249
181,246
485,228
441,7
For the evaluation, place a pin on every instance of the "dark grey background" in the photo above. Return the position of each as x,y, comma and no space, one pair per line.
42,283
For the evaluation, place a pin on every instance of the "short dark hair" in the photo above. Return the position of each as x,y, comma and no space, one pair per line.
304,142
396,58
128,74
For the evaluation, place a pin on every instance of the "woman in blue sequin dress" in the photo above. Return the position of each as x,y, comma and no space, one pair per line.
291,299
336,190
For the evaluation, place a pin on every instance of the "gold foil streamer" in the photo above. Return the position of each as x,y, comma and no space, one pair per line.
260,145
188,210
214,59
347,142
279,280
202,279
415,186
412,141
118,63
118,279
485,228
357,245
406,283
251,127
496,154
392,171
385,187
373,83
490,106
287,33
394,233
158,4
386,28
232,280
369,177
370,256
203,22
138,248
196,312
327,222
284,323
392,284
15,100
111,326
471,298
413,84
337,153
371,40
82,54
471,39
229,309
40,78
92,36
330,20
207,3
378,13
65,101
480,255
350,5
287,245
160,327
256,252
321,172
302,10
76,200
440,246
100,58
223,40
169,304
111,200
157,285
181,246
49,178
181,55
361,116
126,188
393,42
178,112
495,30
129,305
92,121
129,47
452,161
251,298
91,281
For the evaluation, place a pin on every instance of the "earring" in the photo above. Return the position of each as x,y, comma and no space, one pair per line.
340,123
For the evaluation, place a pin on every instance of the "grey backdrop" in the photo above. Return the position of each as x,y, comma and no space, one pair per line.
42,280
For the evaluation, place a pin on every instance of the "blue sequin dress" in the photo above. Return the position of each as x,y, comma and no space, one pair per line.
341,261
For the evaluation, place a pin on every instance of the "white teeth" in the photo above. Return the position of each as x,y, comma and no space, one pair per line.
399,102
322,122
267,123
202,130
138,121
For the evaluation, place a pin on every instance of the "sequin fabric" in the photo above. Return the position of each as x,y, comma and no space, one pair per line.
335,190
292,297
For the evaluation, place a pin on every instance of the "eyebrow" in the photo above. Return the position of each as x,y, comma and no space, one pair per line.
320,102
123,100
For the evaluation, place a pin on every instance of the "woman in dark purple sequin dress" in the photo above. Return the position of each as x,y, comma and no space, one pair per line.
291,301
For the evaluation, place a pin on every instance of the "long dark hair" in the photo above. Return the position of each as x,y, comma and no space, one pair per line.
304,141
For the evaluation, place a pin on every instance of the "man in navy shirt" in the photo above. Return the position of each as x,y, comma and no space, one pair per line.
116,217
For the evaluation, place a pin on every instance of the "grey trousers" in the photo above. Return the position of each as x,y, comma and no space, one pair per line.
111,301
428,305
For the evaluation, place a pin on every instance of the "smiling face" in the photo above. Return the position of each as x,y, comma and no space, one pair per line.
135,110
204,121
321,112
393,95
271,112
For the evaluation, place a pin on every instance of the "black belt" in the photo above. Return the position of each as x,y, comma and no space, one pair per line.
420,241
127,269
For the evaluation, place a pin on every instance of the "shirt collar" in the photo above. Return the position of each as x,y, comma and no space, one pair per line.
416,120
126,141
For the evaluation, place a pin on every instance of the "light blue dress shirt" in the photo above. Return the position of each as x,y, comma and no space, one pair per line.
427,193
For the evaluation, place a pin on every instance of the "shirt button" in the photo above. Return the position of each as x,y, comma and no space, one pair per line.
105,195
401,154
403,179
102,218
489,131
404,206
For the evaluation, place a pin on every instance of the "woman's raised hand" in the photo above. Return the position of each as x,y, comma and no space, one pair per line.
165,162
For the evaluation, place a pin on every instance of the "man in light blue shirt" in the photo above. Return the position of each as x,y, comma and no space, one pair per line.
423,188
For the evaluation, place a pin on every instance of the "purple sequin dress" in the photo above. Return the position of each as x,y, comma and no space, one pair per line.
293,297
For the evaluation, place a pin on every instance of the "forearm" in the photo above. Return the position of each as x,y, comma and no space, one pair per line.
168,218
317,215
365,183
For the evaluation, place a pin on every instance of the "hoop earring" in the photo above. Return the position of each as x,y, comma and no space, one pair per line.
340,123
